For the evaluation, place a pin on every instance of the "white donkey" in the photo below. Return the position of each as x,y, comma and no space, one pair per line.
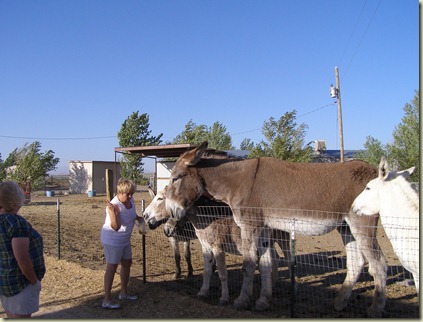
219,235
184,236
393,197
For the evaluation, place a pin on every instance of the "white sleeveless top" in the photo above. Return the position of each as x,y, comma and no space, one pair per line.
122,237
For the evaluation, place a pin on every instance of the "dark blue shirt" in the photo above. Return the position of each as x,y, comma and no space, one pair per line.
12,280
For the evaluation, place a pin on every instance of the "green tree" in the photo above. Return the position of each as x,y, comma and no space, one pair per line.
2,169
284,140
135,132
373,151
216,135
247,144
405,148
192,133
29,163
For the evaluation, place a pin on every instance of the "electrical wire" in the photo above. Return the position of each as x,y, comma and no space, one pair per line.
361,40
317,109
59,139
113,137
352,33
307,113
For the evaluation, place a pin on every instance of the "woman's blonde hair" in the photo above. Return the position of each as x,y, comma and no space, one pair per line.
125,186
11,196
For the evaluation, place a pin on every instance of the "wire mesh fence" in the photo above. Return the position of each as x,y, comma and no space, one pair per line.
317,264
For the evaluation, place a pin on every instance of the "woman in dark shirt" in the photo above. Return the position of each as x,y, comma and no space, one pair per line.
21,256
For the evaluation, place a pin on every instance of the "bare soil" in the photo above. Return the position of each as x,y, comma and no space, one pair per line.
73,284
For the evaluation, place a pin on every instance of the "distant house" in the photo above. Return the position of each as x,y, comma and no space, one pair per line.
321,155
87,176
329,156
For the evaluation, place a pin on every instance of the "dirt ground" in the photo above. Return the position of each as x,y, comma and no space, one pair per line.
73,284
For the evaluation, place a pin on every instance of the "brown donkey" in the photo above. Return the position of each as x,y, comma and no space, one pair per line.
267,192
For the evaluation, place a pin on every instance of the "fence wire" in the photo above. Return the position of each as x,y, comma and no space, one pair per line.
318,263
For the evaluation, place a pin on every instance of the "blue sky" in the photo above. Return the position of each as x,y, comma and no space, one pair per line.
71,72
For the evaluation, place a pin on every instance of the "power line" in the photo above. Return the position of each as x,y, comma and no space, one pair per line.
113,137
352,33
58,139
310,112
317,109
246,132
362,37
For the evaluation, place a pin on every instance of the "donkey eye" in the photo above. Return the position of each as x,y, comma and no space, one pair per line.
180,176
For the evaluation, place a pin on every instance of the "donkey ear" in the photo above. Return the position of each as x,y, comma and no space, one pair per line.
383,168
151,192
406,173
194,156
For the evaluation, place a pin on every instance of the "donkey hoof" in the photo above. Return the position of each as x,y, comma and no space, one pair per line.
340,304
223,302
190,275
262,305
241,304
202,296
177,276
373,312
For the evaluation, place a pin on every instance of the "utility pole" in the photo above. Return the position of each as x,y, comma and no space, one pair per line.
341,136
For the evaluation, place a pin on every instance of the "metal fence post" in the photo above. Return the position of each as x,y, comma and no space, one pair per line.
58,228
144,266
292,269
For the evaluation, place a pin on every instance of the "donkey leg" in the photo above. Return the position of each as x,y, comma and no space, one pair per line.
223,276
378,269
364,230
416,282
177,256
355,264
187,254
207,273
274,265
283,240
268,267
249,258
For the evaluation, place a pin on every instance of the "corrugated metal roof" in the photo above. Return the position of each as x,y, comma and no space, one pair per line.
160,151
173,150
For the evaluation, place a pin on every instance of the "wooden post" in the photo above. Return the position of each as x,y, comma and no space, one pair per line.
109,184
341,136
58,228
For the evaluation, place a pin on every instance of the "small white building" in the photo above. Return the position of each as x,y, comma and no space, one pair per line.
164,169
87,176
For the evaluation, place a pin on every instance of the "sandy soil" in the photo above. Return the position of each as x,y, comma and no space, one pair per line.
73,285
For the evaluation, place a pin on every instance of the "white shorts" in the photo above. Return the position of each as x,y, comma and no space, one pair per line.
115,254
24,303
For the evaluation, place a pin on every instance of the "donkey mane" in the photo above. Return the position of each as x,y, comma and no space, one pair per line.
410,195
211,159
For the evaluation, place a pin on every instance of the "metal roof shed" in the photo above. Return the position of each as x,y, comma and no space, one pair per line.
163,168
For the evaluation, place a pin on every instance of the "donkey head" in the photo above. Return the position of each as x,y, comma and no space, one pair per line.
185,186
156,214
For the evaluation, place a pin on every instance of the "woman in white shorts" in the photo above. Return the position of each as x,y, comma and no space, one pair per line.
116,239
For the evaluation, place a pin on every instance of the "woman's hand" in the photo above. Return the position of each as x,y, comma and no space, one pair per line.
142,229
114,215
